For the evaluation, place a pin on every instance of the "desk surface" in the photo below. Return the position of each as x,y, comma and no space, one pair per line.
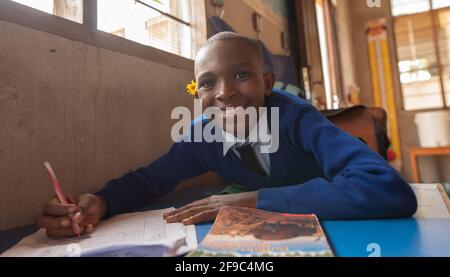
396,237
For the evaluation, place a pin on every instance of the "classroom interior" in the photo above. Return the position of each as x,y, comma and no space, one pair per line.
90,84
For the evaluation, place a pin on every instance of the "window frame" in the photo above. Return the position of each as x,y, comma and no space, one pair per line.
433,13
88,33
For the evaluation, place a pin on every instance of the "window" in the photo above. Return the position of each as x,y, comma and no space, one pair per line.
422,33
437,4
163,24
443,35
327,53
400,7
174,26
69,9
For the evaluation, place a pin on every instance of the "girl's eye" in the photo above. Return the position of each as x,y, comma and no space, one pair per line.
242,75
207,84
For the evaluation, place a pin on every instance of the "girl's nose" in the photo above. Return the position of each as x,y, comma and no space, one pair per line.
226,92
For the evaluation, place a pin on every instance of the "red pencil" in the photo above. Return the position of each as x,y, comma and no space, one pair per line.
59,193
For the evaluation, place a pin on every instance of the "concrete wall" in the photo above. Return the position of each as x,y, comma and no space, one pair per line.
346,47
432,169
92,112
92,104
238,14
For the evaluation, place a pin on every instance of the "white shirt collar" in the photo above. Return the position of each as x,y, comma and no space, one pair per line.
230,141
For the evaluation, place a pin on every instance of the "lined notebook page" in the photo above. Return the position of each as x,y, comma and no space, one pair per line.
431,201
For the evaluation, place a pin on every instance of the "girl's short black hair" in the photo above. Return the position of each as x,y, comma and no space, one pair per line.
230,36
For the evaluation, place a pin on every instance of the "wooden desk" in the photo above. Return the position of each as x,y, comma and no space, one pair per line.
414,152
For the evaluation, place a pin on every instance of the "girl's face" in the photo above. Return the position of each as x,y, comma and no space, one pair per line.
230,74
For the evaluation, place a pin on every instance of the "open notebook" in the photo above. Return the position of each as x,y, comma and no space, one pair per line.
432,201
134,234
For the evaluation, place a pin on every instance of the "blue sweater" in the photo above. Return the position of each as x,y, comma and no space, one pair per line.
318,169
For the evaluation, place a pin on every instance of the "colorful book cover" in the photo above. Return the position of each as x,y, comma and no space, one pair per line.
245,232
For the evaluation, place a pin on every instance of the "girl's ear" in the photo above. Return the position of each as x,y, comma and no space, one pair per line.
269,82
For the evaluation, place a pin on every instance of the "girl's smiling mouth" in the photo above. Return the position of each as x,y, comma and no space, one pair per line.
233,109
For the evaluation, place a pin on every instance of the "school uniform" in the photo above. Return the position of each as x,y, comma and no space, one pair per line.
317,169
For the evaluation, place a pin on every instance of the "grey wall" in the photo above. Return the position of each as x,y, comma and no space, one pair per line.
93,113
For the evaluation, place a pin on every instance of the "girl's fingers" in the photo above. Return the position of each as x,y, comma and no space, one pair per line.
57,209
171,213
204,216
72,199
78,217
88,228
51,222
64,232
93,220
197,203
85,222
179,216
63,223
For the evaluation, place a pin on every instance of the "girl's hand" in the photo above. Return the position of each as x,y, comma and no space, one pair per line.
207,209
86,210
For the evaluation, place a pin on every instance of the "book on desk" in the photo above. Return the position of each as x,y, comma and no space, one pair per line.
246,232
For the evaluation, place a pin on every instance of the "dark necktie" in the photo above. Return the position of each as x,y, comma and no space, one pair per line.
248,158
